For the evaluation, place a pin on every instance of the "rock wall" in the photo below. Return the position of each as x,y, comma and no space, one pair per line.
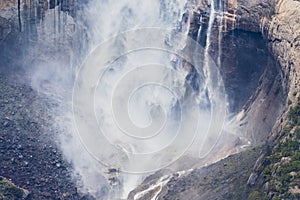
40,36
280,26
249,14
279,22
283,34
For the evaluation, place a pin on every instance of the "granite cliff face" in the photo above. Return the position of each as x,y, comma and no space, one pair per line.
283,34
278,21
33,32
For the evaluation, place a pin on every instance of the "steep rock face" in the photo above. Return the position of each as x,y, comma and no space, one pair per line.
278,21
5,28
41,35
249,14
39,6
260,113
283,33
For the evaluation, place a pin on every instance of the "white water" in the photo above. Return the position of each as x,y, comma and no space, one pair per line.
108,19
221,21
137,94
138,105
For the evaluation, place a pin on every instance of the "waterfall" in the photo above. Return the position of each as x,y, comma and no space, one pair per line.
143,93
213,89
148,100
212,17
145,96
200,29
220,24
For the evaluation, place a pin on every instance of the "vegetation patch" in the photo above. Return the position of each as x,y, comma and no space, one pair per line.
8,191
280,169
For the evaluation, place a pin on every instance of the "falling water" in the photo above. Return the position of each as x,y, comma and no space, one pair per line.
213,83
212,17
184,95
124,16
199,105
220,31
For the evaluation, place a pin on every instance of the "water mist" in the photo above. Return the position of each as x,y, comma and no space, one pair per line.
145,93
